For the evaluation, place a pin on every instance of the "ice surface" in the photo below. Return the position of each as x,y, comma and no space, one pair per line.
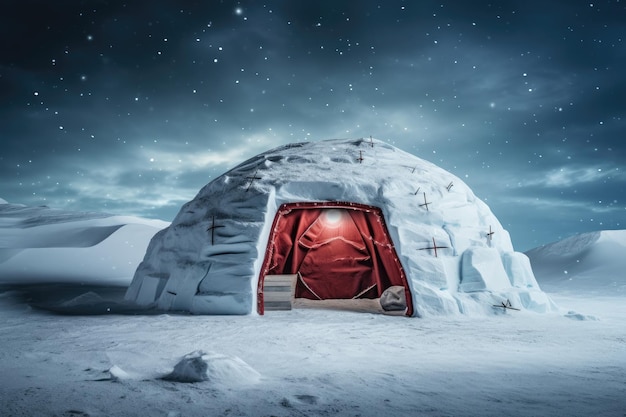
208,260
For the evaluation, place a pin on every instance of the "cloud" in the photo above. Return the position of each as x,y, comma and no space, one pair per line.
560,206
565,177
525,110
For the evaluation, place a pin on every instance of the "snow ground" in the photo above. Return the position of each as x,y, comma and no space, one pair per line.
76,349
316,363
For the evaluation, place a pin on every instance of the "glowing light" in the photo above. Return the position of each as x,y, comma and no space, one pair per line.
332,217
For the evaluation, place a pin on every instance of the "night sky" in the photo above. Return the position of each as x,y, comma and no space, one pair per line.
131,107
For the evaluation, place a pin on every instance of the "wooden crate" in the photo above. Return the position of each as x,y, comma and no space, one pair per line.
278,291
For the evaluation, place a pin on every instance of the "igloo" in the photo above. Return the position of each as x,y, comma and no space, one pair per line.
344,221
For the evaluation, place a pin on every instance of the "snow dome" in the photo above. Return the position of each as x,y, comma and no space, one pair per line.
344,221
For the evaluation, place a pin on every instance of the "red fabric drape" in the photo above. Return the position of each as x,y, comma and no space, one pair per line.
339,253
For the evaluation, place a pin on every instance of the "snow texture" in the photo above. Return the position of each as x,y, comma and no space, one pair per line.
592,261
319,362
39,245
208,260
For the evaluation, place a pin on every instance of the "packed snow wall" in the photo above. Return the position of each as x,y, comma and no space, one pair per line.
455,253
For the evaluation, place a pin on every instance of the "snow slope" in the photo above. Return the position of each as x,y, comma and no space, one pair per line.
42,245
593,262
188,268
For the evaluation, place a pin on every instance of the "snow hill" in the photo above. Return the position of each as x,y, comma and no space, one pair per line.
40,245
590,262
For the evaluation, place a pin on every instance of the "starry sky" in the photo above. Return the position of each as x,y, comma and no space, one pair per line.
130,107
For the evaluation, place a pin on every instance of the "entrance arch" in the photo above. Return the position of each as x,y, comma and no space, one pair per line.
338,251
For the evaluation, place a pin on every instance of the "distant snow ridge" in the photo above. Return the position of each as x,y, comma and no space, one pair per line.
454,254
44,245
592,262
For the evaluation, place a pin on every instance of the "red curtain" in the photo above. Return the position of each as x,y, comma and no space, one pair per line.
339,253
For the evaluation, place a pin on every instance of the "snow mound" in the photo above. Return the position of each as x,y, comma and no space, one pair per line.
455,254
42,245
199,366
579,317
191,368
118,374
88,298
589,263
196,366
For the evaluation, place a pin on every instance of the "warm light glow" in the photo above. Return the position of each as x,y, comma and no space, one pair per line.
332,217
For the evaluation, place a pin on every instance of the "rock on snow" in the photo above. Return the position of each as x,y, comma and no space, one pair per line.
184,270
200,366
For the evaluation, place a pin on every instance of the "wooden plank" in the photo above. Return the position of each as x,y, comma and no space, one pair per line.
279,280
276,306
278,291
276,296
283,287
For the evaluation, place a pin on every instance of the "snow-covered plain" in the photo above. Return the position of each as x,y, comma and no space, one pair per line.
100,358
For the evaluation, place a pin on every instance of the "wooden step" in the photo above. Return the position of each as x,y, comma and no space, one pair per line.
278,291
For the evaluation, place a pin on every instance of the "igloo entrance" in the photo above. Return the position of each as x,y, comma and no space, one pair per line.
333,251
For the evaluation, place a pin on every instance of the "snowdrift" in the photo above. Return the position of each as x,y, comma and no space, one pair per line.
452,254
590,262
39,245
